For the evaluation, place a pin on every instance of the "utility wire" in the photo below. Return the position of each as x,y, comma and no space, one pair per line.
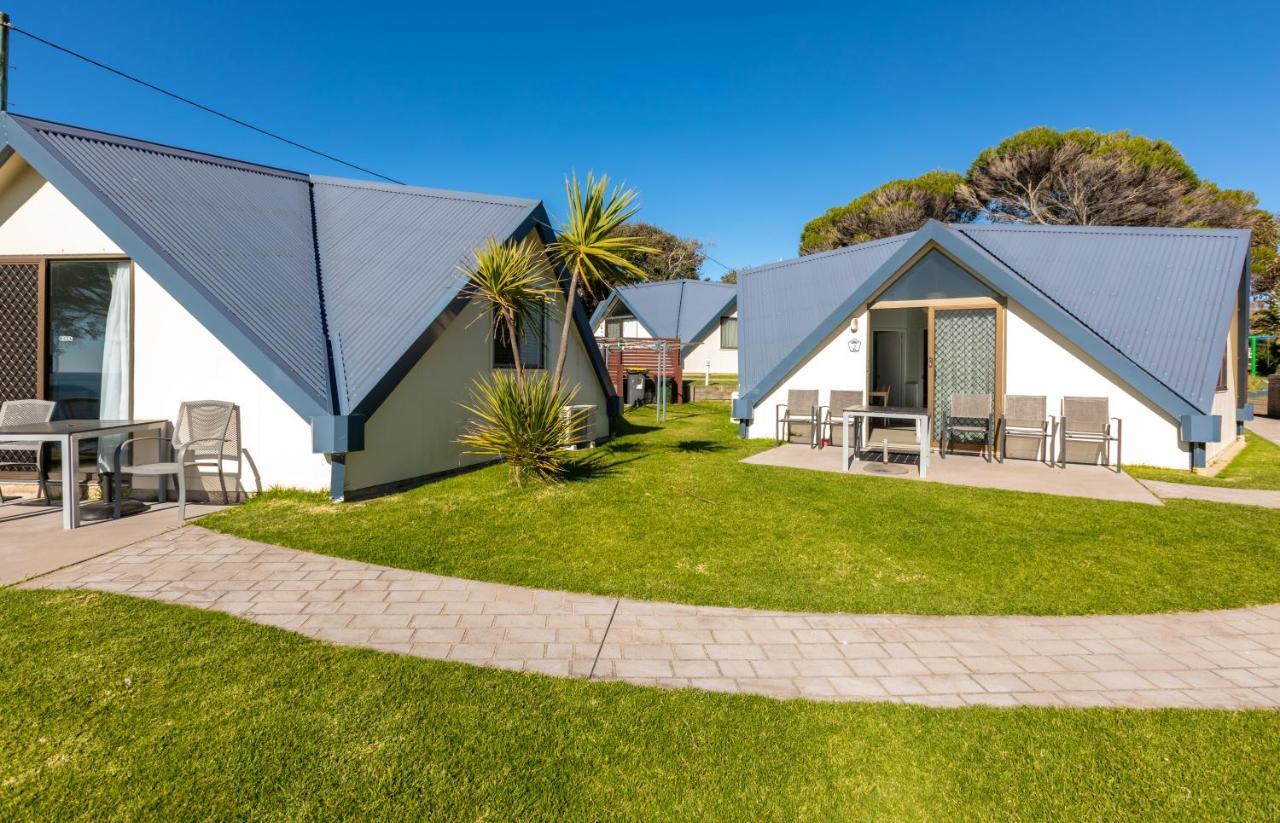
201,106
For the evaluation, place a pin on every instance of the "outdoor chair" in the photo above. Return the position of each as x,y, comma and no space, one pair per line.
23,412
801,408
833,415
879,396
1025,416
967,414
1088,420
207,434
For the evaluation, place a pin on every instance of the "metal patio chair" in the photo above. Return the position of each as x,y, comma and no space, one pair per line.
834,425
1088,420
19,413
963,415
207,434
801,408
1025,416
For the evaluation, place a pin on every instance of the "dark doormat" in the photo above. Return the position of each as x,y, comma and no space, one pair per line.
101,510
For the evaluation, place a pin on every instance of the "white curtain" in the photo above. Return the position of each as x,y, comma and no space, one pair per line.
114,402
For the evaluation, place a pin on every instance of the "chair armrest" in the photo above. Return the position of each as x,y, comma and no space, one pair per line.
1119,426
779,410
115,458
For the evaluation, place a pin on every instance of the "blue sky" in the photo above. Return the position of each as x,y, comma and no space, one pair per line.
736,124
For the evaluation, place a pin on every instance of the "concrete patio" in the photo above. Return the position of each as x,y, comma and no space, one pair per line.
33,542
1095,482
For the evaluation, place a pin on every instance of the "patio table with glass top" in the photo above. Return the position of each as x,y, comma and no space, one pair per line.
859,414
68,434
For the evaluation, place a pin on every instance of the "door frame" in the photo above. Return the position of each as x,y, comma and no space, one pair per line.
944,304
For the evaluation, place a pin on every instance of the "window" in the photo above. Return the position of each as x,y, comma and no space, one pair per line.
613,328
533,349
728,332
1222,373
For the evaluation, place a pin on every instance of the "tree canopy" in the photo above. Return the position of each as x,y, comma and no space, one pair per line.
664,256
1077,176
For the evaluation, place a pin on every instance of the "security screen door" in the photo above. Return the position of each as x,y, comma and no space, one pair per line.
20,354
964,358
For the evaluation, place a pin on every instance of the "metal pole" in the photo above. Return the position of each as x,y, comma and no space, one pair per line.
4,61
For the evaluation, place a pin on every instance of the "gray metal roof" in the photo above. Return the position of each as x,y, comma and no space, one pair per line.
239,245
684,310
1155,304
390,259
781,304
240,233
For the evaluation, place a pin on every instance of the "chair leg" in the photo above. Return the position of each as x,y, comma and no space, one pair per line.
182,495
164,488
222,481
119,493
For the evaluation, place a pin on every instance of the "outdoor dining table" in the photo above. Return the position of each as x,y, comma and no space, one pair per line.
68,434
918,414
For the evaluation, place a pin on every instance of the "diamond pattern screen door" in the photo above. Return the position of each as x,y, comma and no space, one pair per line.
20,353
964,358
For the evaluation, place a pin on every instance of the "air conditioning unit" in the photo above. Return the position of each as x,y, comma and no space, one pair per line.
585,414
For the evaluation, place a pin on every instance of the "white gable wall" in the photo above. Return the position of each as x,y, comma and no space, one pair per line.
175,357
708,350
1038,362
414,432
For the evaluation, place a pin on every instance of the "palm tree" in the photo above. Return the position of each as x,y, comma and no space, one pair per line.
513,280
585,248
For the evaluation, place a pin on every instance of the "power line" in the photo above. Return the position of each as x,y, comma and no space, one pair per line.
201,106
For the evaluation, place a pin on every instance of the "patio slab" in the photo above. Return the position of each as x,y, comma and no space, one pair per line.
1213,494
1094,482
1222,659
33,542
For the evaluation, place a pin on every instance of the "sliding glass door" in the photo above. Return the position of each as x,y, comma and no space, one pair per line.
89,341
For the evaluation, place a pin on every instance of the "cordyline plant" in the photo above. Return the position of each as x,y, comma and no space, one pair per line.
514,282
588,250
523,421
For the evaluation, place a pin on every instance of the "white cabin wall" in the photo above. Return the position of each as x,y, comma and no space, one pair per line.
708,349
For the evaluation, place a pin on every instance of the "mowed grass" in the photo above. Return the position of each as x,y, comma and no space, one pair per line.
116,708
667,512
1257,466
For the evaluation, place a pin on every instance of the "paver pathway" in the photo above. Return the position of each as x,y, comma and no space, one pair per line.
1214,494
1228,659
1268,427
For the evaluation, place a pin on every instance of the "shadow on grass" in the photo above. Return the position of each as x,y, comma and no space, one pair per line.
698,446
595,467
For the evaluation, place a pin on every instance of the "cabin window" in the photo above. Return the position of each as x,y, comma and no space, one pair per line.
1222,373
613,328
728,332
533,346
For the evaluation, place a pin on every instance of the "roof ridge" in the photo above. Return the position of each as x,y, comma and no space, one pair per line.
424,191
163,149
1161,231
804,258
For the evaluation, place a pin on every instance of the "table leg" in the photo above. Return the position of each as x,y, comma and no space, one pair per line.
844,443
922,432
70,500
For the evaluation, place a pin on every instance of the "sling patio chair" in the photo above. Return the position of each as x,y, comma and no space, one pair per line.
1088,420
833,416
19,413
967,414
1025,417
801,408
207,435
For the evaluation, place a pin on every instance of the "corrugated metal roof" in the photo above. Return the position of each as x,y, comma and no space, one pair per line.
1160,299
242,242
678,309
390,260
781,304
241,234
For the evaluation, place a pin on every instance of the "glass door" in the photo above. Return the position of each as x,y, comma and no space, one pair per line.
964,346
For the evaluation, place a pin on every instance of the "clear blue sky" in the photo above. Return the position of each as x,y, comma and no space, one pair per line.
735,124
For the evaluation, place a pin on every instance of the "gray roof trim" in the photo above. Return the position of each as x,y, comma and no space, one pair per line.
602,308
442,194
23,138
970,254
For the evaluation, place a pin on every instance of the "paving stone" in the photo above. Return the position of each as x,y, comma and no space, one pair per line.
1224,659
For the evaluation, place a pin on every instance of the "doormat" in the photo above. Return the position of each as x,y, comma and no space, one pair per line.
885,468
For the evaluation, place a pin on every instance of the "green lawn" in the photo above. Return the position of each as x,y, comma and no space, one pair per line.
1257,466
667,512
115,708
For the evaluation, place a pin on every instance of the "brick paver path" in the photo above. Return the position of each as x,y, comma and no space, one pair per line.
1228,659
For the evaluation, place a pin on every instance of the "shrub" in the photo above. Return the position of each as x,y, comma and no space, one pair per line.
521,421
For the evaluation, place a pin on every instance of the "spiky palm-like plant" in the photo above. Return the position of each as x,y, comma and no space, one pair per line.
522,421
585,248
514,281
